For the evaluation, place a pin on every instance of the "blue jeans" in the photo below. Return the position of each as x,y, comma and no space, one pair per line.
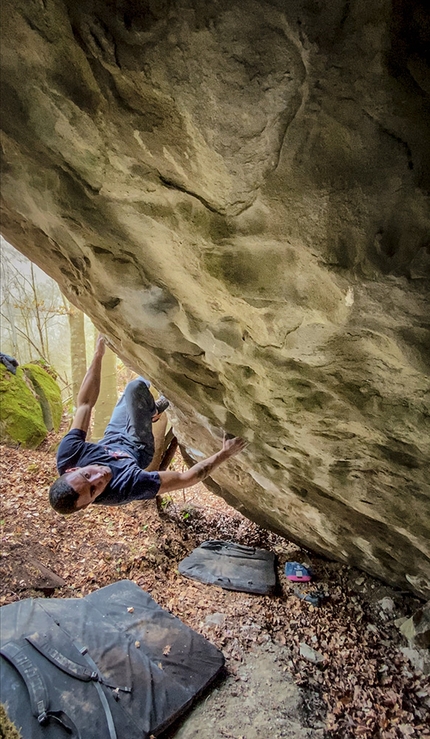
130,426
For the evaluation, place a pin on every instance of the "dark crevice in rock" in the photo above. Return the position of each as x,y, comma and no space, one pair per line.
393,135
111,303
345,14
37,28
101,250
175,186
202,384
64,166
80,263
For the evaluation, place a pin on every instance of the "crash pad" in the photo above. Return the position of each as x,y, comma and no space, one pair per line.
113,664
231,566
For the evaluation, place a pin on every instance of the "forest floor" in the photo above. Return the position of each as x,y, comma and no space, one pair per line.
363,685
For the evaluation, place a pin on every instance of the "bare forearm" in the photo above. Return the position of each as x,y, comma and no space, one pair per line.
90,387
201,470
198,472
177,480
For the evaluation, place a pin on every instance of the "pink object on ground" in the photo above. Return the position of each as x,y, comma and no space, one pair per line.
297,572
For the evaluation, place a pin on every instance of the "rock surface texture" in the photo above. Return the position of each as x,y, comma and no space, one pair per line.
237,194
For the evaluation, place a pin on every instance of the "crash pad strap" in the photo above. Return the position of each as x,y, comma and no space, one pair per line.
103,699
32,677
86,674
36,687
41,643
67,665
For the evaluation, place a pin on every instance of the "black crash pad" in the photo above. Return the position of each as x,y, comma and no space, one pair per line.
132,643
232,567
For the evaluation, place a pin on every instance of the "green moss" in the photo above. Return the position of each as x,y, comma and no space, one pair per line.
48,394
21,417
47,367
7,729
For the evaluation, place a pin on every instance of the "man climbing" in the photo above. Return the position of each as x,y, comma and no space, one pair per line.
112,471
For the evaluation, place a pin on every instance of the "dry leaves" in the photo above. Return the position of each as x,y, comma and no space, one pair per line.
365,687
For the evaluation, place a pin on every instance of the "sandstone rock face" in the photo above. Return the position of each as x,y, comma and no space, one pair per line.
237,194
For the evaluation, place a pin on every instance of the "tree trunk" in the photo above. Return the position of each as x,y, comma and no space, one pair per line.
77,349
10,315
108,395
37,312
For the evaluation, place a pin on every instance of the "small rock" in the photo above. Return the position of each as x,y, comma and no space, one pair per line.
407,729
400,621
310,654
417,628
418,658
215,619
387,605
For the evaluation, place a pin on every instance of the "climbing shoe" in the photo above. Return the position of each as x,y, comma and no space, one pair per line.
161,404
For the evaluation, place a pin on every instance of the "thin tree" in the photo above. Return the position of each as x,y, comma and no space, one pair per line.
37,311
78,354
108,394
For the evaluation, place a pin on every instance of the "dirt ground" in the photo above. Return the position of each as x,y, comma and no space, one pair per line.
334,670
260,700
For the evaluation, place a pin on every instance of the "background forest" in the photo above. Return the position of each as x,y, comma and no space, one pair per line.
37,323
35,316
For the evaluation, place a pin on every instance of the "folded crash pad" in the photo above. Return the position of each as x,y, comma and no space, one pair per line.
232,567
112,665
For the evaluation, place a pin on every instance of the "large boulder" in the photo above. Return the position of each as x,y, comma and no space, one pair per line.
30,405
237,194
48,394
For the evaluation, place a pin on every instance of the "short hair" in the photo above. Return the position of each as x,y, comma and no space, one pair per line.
63,497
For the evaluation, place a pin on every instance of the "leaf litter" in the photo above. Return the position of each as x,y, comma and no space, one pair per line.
361,685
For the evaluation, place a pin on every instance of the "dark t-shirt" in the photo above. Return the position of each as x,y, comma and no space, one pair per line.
129,482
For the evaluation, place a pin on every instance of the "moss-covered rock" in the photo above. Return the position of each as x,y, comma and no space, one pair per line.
48,394
29,405
7,729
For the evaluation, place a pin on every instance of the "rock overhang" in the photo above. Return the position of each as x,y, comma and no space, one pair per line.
238,196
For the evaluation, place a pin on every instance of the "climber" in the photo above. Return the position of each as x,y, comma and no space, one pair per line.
112,471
